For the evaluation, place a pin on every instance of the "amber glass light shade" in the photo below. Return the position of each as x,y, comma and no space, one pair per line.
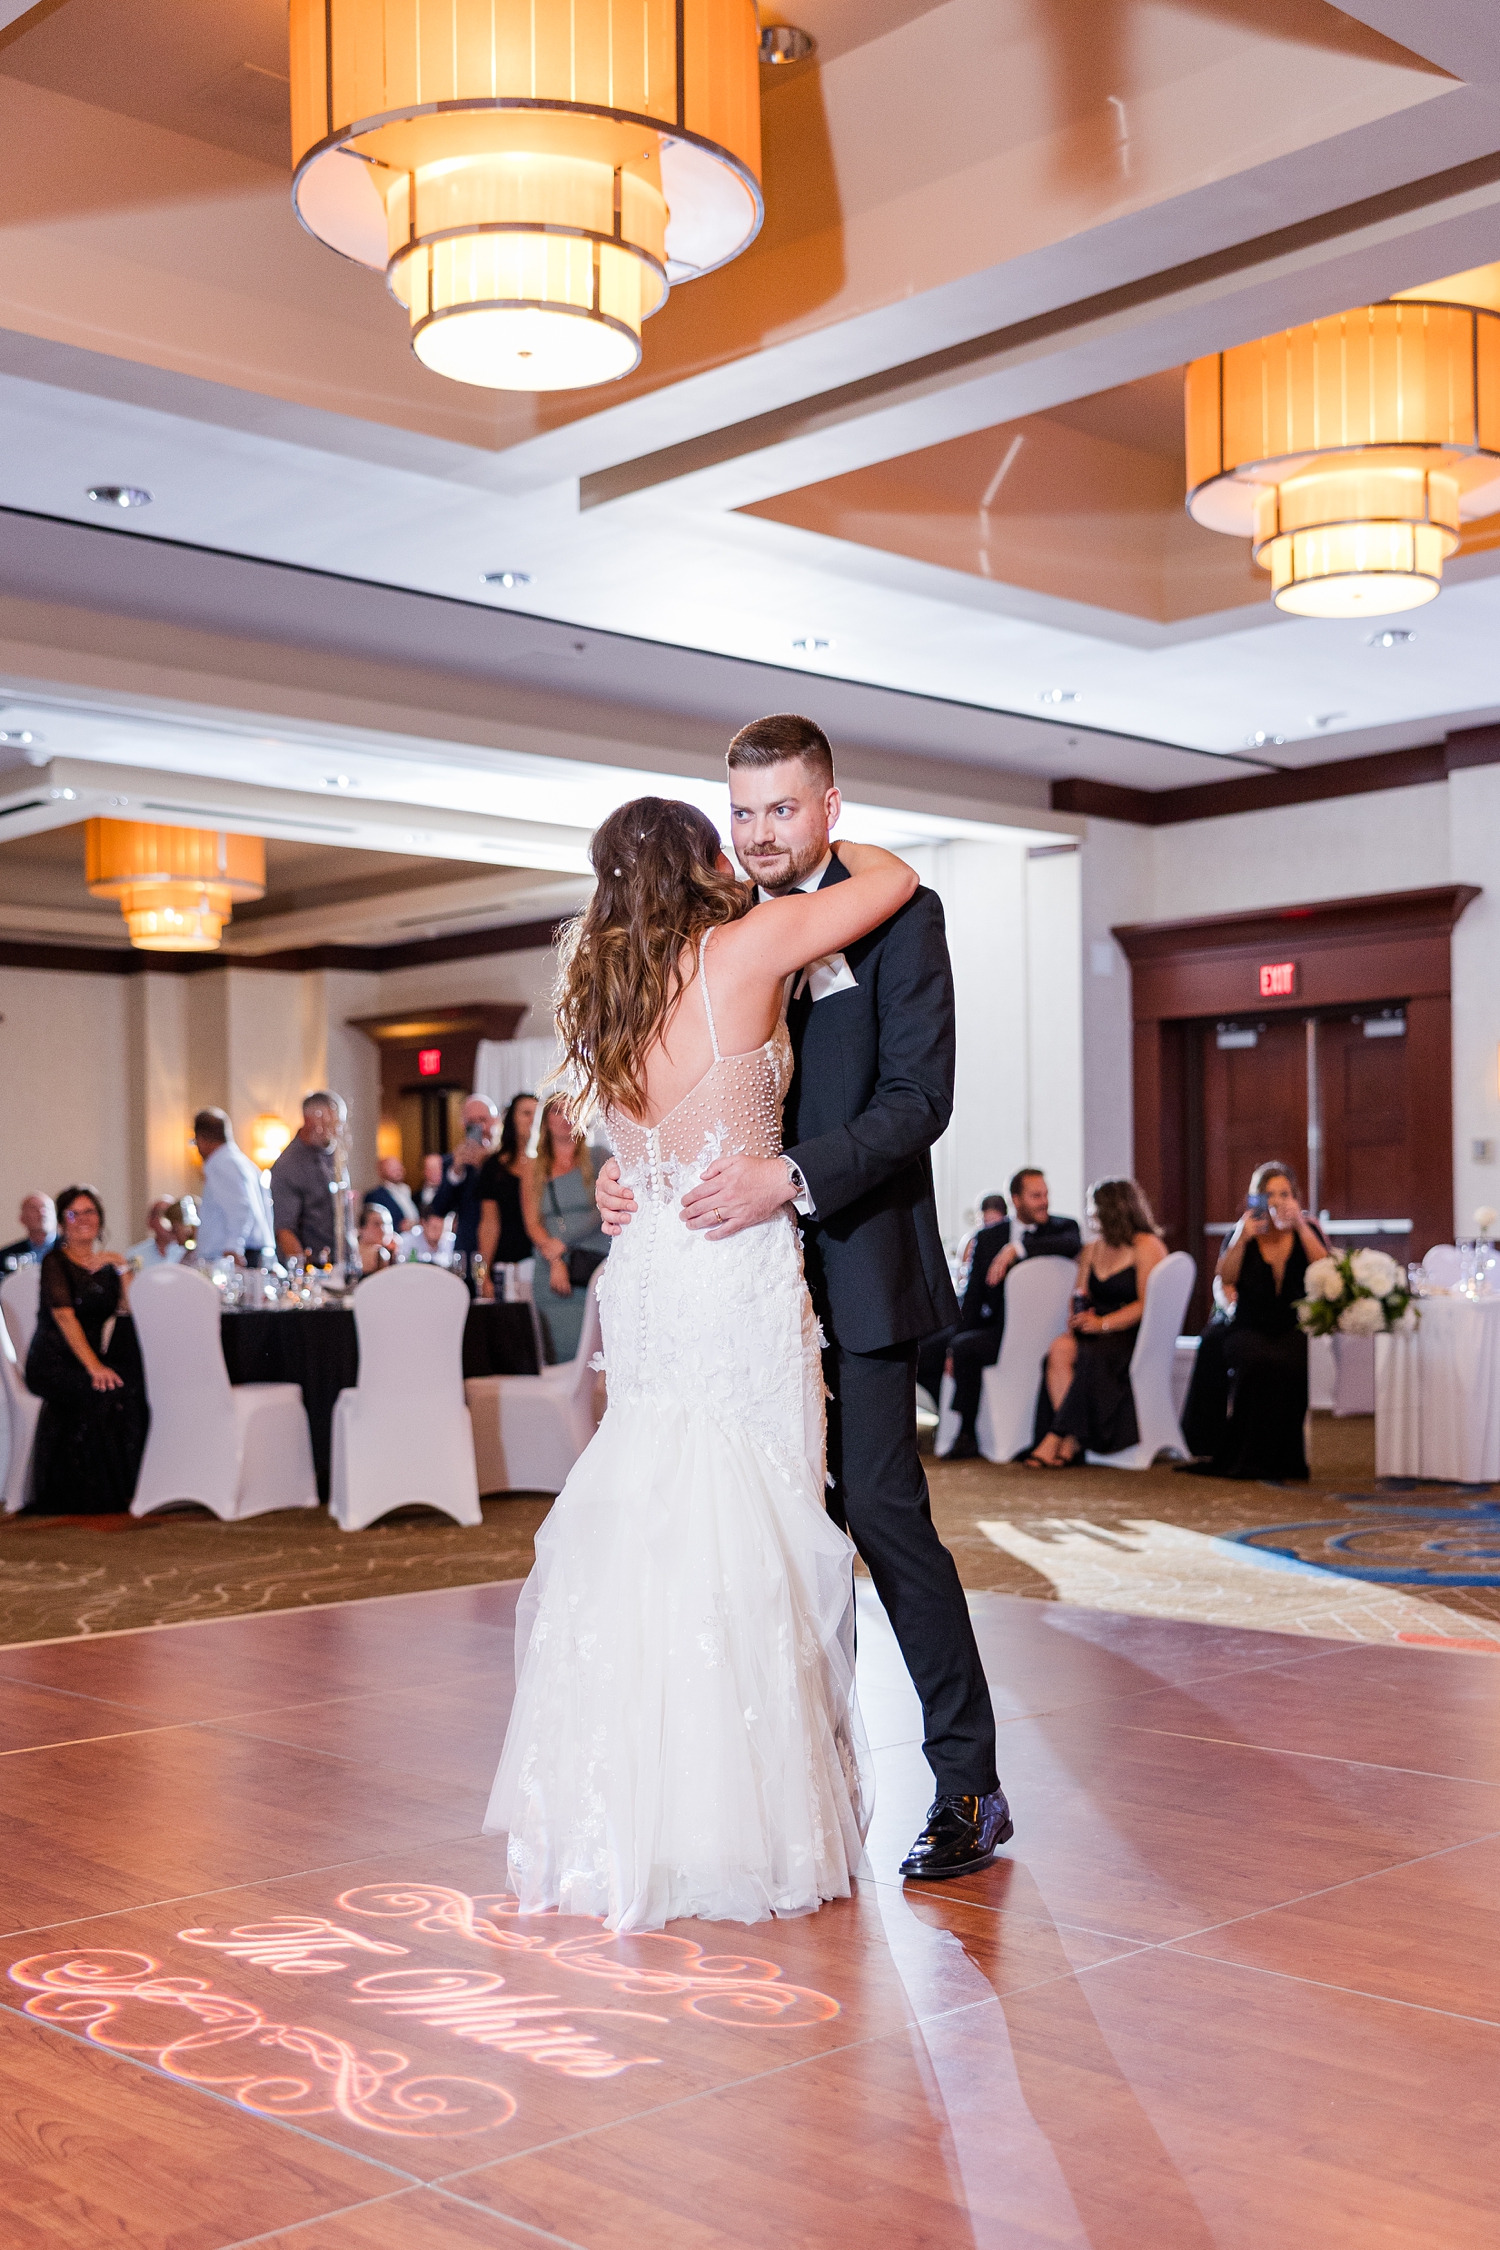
176,887
530,175
1347,449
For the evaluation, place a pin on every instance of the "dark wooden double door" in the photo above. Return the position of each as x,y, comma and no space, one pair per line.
1334,1099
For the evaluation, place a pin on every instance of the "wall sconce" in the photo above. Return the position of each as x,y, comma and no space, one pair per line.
268,1137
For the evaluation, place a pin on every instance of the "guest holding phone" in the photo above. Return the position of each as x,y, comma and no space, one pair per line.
1265,1264
460,1191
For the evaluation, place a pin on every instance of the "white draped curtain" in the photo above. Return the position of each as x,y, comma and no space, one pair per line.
504,1068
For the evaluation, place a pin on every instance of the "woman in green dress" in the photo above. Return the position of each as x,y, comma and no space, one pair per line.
557,1200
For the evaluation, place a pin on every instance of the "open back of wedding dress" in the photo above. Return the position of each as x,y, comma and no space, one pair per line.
684,1739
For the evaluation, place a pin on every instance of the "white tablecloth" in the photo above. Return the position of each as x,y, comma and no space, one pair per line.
1437,1394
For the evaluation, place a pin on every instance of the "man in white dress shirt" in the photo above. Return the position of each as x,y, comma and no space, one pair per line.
232,1214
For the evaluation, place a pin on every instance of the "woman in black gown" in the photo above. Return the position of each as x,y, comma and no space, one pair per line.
1088,1370
92,1426
503,1239
1265,1261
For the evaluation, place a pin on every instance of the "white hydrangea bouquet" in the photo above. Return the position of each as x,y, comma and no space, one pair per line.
1363,1293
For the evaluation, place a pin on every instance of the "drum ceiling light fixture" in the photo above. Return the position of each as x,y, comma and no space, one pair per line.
530,175
1351,449
176,886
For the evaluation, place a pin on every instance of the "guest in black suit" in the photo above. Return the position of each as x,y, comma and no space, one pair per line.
932,1354
1034,1233
873,1037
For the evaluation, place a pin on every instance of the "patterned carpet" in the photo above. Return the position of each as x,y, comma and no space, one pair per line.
1334,1559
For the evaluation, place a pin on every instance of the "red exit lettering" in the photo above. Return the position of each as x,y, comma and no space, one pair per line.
1278,980
430,1059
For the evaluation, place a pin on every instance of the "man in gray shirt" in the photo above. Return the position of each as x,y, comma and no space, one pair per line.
301,1179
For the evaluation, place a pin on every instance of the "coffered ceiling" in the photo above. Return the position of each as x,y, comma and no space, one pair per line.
913,463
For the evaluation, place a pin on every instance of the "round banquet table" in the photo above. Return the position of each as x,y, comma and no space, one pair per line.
1437,1394
319,1352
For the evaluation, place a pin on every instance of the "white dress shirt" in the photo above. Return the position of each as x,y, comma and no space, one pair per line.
232,1214
149,1252
829,973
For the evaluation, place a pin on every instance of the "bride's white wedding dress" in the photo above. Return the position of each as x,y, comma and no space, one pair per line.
685,1739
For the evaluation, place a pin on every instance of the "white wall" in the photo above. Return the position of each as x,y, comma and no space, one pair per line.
1474,828
64,1090
1013,933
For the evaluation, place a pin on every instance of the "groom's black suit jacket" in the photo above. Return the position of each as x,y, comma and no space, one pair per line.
872,1091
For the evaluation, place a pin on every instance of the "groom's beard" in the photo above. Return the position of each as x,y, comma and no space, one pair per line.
781,871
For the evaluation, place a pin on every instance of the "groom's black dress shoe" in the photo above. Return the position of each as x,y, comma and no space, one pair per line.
962,1835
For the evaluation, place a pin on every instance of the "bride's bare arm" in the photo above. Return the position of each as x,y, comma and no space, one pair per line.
785,934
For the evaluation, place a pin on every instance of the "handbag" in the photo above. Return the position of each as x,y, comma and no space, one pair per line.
582,1264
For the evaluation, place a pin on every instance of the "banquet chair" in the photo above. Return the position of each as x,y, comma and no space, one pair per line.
530,1429
1443,1266
1038,1294
237,1449
401,1437
1168,1288
22,1413
20,1302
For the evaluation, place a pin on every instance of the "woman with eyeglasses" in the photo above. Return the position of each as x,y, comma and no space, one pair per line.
92,1427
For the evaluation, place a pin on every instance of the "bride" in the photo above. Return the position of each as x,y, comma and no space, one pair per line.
684,1739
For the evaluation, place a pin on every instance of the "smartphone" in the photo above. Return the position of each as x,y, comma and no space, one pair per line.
476,1133
1080,1301
1257,1206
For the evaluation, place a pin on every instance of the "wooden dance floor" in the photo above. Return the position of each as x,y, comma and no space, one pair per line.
1237,1983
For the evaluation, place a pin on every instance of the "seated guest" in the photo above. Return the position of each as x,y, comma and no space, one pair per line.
432,1240
393,1192
92,1426
932,1353
159,1245
557,1197
39,1219
1088,1370
1205,1410
301,1180
1033,1233
432,1184
233,1221
1265,1262
503,1240
460,1189
376,1235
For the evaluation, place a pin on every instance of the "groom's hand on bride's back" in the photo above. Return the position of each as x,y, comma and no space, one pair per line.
737,1192
615,1201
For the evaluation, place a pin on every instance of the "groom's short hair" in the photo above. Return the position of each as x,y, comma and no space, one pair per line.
767,742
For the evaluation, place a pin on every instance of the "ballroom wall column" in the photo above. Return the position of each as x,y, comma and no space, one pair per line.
157,1110
1054,1136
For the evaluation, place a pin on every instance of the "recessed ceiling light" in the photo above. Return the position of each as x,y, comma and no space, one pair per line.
120,495
784,43
1395,636
1260,738
811,644
507,578
1058,695
340,781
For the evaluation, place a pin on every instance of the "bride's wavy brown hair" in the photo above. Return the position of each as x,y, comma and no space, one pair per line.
621,971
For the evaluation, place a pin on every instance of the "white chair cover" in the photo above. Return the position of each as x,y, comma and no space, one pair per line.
1168,1288
1184,1360
402,1438
239,1450
1322,1375
20,1298
1038,1294
22,1413
1443,1265
530,1429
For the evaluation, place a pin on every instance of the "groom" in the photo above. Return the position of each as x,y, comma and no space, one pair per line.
873,1035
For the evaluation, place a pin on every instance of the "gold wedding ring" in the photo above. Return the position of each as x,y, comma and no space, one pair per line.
718,1216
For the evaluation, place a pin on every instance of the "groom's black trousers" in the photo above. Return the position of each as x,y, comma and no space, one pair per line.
879,1496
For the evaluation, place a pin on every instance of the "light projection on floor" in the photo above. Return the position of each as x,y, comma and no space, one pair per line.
572,1999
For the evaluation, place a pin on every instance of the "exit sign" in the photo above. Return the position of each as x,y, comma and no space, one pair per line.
430,1059
1278,980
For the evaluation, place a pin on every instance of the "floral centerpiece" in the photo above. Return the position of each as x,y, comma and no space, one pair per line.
1363,1293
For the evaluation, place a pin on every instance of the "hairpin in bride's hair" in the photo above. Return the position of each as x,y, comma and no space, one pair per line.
617,871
